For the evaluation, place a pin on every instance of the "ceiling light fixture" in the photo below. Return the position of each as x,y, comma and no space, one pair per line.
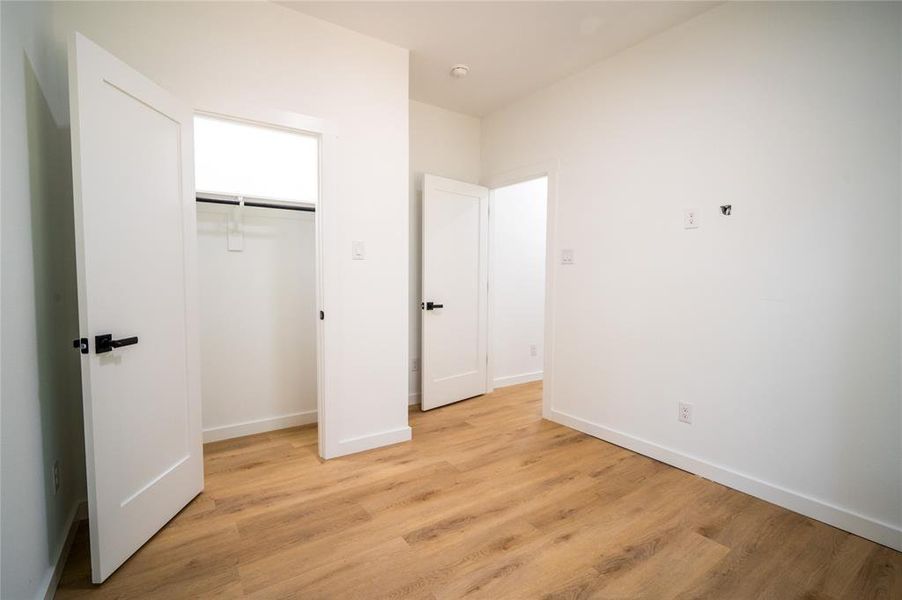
459,71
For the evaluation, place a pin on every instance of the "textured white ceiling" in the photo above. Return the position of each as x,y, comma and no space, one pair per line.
512,48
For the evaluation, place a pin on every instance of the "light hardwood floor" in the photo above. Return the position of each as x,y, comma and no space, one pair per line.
487,501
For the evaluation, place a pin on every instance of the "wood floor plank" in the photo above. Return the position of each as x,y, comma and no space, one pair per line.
880,576
487,501
576,543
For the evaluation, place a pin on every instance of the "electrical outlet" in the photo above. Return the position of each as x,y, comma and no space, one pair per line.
690,218
414,364
533,350
685,413
55,477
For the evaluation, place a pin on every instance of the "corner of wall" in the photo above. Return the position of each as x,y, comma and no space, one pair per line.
42,420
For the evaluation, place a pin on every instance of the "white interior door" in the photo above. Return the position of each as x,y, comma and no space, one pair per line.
135,246
455,290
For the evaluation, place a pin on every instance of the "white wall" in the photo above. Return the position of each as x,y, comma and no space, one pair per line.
446,143
41,388
518,281
215,55
780,323
257,321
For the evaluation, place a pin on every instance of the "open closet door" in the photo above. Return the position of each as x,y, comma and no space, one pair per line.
135,247
455,290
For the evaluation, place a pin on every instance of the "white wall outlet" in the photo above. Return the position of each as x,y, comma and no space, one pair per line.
685,413
567,257
414,364
690,218
533,350
55,477
358,251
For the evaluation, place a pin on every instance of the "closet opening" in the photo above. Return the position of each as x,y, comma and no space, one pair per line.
258,194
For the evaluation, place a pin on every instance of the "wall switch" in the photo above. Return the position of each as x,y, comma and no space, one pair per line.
685,413
690,218
414,364
533,350
358,250
55,477
567,257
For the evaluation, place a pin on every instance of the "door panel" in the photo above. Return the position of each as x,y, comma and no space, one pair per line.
135,245
455,244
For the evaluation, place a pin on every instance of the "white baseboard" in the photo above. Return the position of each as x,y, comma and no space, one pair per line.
413,398
866,527
515,379
368,442
225,432
47,590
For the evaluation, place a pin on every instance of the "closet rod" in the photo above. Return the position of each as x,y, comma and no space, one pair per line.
255,204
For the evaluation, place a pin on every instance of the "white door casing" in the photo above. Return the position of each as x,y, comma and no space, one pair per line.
328,426
135,234
455,276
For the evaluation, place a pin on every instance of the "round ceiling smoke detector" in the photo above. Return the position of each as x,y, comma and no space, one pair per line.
459,71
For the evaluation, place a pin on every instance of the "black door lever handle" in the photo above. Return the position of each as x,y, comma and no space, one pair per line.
431,305
105,343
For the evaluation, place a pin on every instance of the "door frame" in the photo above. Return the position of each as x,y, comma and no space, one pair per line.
327,430
549,169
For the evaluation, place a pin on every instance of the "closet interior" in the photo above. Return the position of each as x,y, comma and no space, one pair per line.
257,194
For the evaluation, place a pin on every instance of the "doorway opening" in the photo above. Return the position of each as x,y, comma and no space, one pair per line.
257,252
517,246
484,292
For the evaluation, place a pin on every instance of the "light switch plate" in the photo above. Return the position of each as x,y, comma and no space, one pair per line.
358,250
